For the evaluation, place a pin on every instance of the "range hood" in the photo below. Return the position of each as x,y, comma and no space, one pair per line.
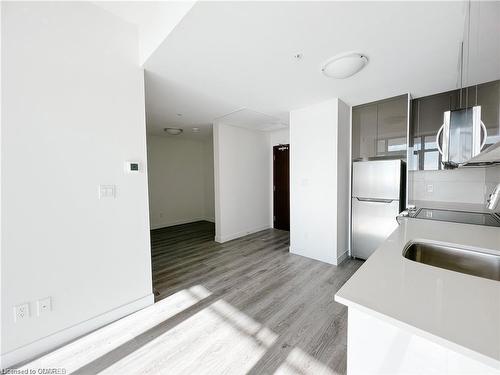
459,140
490,156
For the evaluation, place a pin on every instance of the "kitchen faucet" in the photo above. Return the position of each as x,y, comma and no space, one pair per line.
494,199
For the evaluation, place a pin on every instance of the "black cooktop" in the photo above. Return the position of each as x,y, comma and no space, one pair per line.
479,218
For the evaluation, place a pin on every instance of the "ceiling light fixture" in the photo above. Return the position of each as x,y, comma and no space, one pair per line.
173,131
196,130
344,65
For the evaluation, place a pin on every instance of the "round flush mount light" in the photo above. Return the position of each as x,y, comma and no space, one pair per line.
173,131
344,65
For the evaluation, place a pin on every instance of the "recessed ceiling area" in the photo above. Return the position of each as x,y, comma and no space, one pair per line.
247,118
225,56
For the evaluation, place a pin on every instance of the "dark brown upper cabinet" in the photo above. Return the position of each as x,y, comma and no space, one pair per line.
379,129
487,95
364,131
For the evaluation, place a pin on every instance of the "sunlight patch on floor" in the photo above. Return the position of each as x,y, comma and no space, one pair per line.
217,338
96,344
299,362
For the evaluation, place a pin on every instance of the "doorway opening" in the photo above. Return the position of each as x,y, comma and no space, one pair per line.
181,203
281,187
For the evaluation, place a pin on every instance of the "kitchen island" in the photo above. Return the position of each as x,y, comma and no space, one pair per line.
409,317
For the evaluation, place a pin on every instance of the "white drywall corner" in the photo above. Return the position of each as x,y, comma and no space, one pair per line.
154,20
208,182
319,167
343,179
242,179
72,114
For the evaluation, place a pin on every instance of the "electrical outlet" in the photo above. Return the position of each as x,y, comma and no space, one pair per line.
430,188
21,312
43,306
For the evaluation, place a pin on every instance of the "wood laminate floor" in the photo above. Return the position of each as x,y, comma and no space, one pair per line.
247,306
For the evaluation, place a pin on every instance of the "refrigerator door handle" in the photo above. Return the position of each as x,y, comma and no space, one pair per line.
375,200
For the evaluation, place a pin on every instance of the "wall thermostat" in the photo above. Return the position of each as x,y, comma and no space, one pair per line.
132,166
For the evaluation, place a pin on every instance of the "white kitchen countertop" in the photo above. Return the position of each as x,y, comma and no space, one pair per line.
459,311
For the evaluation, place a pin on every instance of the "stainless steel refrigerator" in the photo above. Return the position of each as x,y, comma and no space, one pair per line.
378,196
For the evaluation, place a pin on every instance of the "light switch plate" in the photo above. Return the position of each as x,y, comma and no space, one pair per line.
44,306
430,188
107,191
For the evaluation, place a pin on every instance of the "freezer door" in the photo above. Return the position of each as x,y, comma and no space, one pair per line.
376,179
372,223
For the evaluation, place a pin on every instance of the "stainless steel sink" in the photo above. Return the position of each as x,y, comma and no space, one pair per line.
451,258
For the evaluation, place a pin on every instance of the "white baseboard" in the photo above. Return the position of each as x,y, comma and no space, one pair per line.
314,257
233,236
342,258
57,339
178,222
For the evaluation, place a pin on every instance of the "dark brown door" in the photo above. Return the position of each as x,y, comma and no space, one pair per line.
281,181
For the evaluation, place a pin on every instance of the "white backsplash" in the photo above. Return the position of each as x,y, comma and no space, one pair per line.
464,185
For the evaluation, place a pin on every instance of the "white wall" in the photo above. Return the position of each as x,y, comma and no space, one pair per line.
180,180
279,137
209,193
318,167
72,114
343,179
242,179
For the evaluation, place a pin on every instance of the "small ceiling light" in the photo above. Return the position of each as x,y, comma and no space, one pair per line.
173,131
344,65
196,130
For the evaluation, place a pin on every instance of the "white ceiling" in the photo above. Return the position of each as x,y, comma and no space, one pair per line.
247,118
154,19
226,56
